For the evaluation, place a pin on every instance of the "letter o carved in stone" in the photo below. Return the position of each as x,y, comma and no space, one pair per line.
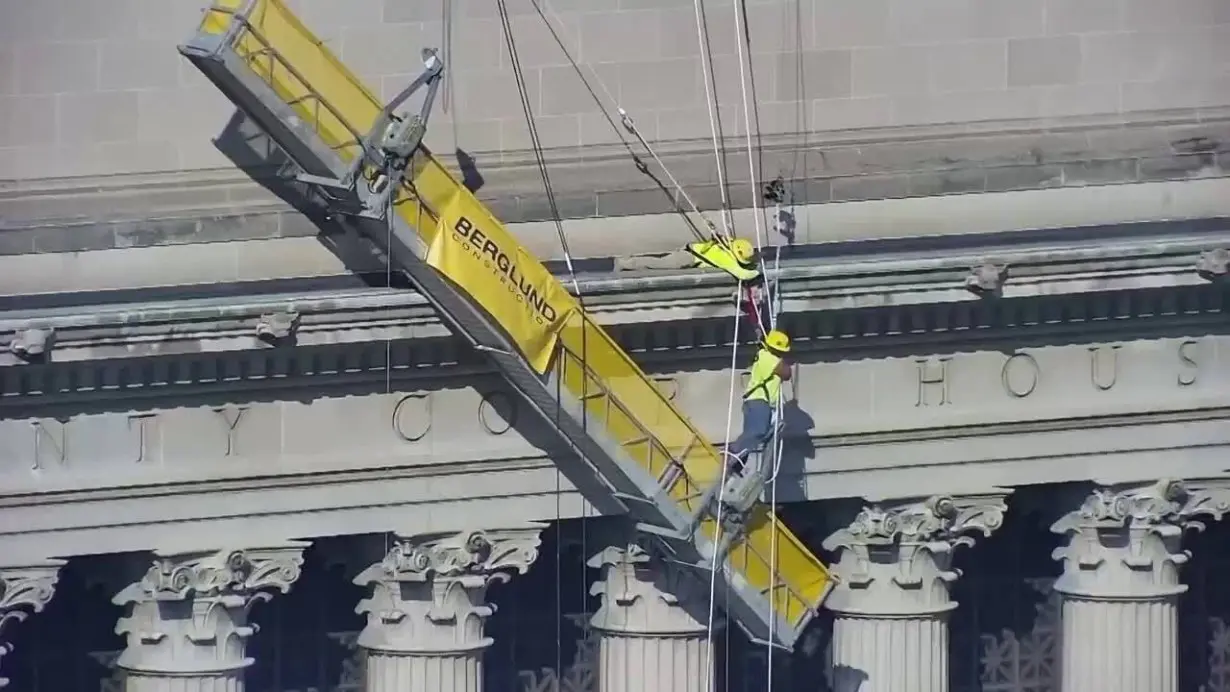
497,412
412,417
1020,375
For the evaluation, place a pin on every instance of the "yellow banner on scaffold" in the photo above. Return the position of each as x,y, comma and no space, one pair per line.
477,253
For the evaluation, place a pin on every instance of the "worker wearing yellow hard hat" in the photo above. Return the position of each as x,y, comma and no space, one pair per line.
736,257
763,394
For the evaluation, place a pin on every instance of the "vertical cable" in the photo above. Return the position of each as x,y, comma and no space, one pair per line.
723,460
706,64
536,143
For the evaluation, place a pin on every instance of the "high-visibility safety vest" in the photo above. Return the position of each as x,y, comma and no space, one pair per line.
715,254
764,382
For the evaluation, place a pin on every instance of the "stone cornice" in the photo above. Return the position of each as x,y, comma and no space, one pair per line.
373,353
861,277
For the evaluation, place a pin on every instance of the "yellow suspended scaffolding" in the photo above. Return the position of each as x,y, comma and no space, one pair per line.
246,46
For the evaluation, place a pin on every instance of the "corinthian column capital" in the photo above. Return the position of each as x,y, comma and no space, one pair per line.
1124,541
24,590
188,612
429,590
644,595
898,554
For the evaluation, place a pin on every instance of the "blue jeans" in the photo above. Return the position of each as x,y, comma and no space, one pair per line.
757,425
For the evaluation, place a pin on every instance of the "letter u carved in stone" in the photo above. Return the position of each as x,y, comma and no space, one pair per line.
1104,366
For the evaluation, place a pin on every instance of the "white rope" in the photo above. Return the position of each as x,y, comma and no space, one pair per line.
772,323
747,123
717,537
706,59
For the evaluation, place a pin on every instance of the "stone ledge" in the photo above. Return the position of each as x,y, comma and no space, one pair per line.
850,166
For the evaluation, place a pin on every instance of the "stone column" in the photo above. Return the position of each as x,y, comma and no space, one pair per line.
1120,585
651,624
187,622
428,607
890,632
24,590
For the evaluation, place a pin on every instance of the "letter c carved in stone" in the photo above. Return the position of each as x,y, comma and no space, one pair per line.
412,416
497,412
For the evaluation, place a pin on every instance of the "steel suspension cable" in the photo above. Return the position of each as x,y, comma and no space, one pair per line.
626,119
714,568
719,147
539,157
757,220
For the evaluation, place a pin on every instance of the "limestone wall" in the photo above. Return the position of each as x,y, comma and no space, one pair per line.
95,87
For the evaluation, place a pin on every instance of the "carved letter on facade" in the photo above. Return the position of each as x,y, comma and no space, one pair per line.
1104,366
669,386
50,441
142,424
1020,375
412,417
230,418
936,375
1187,357
497,412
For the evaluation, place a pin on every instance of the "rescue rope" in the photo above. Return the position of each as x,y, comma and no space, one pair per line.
776,443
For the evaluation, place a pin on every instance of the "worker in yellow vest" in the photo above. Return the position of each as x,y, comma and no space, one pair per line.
763,393
737,258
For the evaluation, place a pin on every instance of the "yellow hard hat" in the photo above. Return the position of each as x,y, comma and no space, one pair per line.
777,340
742,250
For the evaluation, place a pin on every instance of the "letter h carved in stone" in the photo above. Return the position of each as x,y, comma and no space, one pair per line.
933,382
